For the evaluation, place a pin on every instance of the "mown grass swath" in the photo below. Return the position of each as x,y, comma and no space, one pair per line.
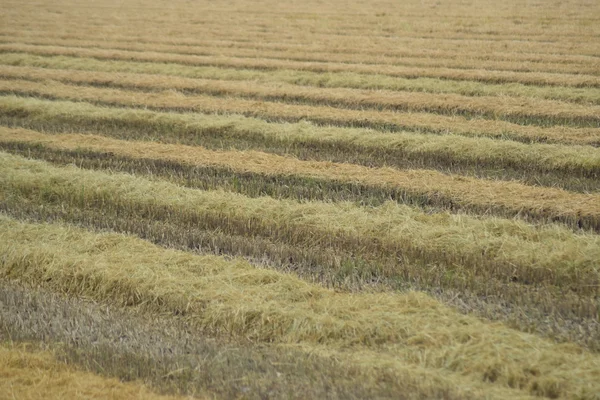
309,79
318,52
30,372
166,354
548,66
323,200
379,331
571,167
528,78
174,101
451,52
256,174
340,244
519,110
498,49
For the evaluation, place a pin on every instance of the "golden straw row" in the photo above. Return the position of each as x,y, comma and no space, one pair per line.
321,31
427,24
29,372
474,248
460,62
574,162
397,52
503,108
307,78
530,78
470,193
406,334
346,43
324,115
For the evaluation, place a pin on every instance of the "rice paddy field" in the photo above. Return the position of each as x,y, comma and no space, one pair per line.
294,200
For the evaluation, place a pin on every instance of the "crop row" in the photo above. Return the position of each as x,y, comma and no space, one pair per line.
385,332
335,242
325,57
273,111
522,50
306,78
400,51
255,174
515,110
528,78
572,167
325,30
30,372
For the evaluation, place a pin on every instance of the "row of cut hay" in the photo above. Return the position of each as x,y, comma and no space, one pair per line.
306,78
187,45
397,47
153,349
471,248
559,314
567,164
459,62
516,110
28,372
323,32
509,199
170,100
528,78
398,333
75,26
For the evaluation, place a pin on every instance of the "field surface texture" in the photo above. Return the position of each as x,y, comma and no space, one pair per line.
291,200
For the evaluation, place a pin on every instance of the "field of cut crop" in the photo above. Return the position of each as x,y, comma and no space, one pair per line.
300,200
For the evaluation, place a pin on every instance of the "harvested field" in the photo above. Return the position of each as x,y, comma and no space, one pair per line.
30,373
300,199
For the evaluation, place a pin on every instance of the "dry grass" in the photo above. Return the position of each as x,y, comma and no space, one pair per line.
468,249
401,332
484,196
572,167
527,78
174,101
165,353
542,112
27,372
397,152
316,51
311,79
355,59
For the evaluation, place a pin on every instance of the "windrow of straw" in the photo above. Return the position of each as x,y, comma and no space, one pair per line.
307,78
528,78
471,250
324,57
510,199
28,372
287,26
401,333
164,353
375,55
573,167
323,115
477,20
517,110
500,49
